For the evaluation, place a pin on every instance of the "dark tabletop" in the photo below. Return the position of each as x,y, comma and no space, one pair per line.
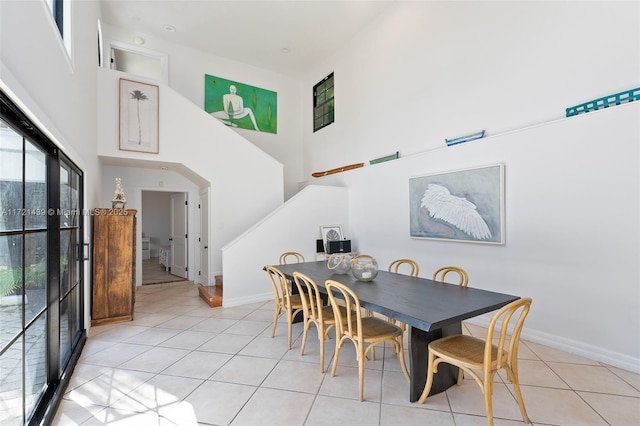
419,302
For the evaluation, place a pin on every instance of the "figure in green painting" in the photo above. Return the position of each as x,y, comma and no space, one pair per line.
234,109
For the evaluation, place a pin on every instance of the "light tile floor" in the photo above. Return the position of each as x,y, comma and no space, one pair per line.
181,362
155,273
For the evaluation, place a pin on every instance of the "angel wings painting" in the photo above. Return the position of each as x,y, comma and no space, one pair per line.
464,205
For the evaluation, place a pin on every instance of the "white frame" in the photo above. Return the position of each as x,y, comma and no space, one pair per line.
326,229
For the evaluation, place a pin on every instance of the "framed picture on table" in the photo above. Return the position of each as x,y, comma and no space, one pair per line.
139,111
331,233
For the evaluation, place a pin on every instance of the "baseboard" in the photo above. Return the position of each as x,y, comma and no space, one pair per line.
237,301
582,349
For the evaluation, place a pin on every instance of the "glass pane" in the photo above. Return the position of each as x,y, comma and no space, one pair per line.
69,325
69,184
330,93
11,385
66,260
66,311
35,361
10,287
320,98
35,274
35,187
74,199
65,203
10,179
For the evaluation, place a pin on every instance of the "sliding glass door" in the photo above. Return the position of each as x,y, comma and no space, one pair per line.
41,325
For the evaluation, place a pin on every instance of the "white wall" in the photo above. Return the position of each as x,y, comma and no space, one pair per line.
187,68
156,219
246,183
57,89
426,71
572,202
294,226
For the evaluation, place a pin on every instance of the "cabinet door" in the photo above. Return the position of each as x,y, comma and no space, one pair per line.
120,265
100,307
113,266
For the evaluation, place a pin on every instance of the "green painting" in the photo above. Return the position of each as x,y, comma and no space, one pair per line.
240,105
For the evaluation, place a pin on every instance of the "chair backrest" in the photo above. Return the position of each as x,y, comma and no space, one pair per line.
441,273
299,258
310,296
351,323
279,283
506,327
397,264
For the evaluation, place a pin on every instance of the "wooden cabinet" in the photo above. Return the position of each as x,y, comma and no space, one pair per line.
114,265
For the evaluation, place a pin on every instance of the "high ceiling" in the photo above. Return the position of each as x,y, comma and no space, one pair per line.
283,36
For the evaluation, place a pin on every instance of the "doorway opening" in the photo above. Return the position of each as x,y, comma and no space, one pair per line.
164,237
139,61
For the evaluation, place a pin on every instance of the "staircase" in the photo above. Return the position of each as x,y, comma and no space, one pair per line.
212,294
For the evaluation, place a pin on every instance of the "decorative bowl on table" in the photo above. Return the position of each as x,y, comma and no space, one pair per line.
364,268
339,263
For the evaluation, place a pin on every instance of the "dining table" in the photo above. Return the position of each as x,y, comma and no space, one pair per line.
431,310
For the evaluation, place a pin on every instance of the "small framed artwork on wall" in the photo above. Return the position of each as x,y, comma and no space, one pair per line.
139,110
461,205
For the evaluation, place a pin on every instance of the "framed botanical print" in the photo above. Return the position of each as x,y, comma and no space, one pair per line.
139,111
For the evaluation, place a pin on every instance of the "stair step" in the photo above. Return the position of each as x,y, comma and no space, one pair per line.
212,294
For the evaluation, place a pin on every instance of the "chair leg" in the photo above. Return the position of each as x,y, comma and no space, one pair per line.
488,396
361,358
289,327
427,386
400,352
516,386
321,337
276,313
307,326
336,355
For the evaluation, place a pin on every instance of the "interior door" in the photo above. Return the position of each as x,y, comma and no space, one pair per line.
204,238
179,234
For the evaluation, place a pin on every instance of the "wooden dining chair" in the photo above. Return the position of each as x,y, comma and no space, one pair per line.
292,257
472,355
315,312
284,301
360,330
440,274
399,264
299,258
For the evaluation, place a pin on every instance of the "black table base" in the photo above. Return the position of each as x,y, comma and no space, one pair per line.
447,374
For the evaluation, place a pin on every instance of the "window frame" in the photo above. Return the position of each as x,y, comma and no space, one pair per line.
57,371
323,104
